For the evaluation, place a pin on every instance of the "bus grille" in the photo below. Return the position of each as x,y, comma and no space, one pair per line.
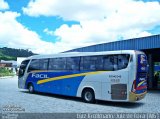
119,91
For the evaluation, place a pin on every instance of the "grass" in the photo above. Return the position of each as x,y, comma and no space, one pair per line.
5,72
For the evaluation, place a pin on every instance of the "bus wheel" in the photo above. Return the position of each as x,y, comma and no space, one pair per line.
31,88
88,96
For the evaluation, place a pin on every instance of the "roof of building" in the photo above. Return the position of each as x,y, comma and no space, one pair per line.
143,43
9,62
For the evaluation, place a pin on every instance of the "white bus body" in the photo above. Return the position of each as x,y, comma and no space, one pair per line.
110,75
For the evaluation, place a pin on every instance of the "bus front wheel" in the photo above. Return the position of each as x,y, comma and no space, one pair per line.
31,88
88,95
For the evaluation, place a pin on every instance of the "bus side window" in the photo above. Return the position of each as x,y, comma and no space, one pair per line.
99,63
43,64
73,63
123,60
57,63
34,65
88,63
116,62
51,64
108,63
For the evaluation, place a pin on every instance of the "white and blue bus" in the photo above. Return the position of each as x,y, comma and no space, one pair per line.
110,75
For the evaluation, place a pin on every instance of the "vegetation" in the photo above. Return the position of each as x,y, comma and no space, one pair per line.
5,72
6,57
12,54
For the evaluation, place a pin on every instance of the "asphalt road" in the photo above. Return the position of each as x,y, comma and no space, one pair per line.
21,101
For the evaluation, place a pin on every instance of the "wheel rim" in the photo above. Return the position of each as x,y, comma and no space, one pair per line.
88,96
30,88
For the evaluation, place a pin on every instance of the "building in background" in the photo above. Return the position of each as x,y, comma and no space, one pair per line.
11,65
150,45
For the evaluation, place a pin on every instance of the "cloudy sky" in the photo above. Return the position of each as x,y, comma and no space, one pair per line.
51,26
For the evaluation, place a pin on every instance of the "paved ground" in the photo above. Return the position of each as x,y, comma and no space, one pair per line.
12,97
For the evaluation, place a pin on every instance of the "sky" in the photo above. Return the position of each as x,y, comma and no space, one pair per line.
52,26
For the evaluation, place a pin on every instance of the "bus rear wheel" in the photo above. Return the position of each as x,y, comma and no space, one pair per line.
88,96
31,88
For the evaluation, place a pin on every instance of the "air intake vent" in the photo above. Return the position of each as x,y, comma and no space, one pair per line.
119,91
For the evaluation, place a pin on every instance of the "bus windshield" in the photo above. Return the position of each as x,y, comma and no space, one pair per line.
23,68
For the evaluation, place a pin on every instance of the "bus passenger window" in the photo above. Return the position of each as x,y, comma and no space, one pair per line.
43,64
51,64
99,63
108,63
88,63
73,63
57,64
115,63
123,60
34,65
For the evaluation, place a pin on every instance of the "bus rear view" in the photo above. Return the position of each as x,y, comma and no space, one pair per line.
139,85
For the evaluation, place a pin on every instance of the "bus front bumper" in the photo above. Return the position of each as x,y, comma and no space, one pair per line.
135,97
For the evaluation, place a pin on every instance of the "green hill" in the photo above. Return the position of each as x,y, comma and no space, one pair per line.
12,54
5,57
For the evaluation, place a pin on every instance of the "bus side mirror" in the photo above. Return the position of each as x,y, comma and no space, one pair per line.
21,72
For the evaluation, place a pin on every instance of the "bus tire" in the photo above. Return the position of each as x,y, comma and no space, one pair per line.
31,88
88,95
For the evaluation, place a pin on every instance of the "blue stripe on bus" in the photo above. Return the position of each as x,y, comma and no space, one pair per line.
68,86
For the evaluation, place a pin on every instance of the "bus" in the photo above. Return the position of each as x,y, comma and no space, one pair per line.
108,75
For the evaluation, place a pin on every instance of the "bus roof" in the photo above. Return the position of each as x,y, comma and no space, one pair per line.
74,54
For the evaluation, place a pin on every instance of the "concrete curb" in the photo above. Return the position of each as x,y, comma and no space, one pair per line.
6,77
